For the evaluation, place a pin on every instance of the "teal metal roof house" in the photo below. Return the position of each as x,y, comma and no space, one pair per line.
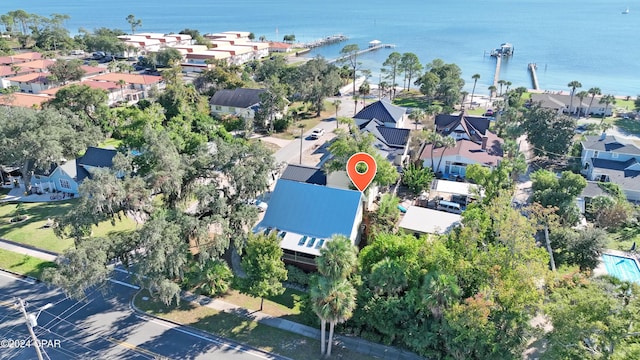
306,216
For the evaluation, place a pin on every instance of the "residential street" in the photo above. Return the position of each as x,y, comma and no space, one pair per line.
103,327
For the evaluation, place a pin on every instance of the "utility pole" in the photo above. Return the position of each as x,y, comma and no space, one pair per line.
31,322
301,139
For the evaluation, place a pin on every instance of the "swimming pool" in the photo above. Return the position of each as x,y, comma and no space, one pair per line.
623,268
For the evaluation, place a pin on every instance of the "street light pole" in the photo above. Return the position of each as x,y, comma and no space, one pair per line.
31,322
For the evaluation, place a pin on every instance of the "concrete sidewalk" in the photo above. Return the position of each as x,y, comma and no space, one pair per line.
376,351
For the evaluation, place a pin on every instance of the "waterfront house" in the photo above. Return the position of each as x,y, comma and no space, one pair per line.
238,102
475,144
383,111
280,47
560,103
306,216
607,159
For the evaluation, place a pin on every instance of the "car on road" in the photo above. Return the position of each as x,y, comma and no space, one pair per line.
316,133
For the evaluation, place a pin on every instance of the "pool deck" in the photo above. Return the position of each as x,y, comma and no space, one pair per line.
601,268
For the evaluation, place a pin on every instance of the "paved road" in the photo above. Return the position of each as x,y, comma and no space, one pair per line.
103,327
291,152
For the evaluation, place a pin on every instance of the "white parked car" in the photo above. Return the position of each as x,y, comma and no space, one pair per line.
317,133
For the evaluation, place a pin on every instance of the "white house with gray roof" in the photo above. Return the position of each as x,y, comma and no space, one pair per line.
240,102
607,159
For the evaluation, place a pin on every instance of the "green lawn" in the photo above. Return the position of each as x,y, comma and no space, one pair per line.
23,264
31,231
110,143
286,305
624,239
242,329
628,125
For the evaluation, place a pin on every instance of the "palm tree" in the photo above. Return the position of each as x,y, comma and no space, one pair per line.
508,83
439,291
492,91
464,95
607,100
417,116
341,301
336,104
447,142
501,83
573,85
318,293
475,78
581,95
121,83
435,140
593,91
337,258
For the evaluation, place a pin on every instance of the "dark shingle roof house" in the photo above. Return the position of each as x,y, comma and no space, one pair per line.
382,110
238,98
475,127
305,174
609,143
97,157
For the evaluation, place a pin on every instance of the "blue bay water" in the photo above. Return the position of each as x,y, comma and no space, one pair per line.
586,40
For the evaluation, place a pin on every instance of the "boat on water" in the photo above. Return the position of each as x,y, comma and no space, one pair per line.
626,11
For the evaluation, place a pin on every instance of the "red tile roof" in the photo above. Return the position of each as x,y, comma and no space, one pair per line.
470,150
37,64
23,100
30,78
19,58
129,78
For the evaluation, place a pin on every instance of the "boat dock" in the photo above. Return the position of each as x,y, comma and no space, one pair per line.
496,76
370,48
534,78
332,39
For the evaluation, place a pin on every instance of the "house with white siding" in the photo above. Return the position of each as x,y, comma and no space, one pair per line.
606,158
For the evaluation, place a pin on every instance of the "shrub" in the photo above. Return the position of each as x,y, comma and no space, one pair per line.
297,276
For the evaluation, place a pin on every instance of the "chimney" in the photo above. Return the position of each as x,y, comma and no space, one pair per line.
483,146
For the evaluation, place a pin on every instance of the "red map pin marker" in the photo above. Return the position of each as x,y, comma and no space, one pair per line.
361,180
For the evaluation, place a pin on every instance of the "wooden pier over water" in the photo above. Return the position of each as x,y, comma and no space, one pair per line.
370,48
496,76
324,41
534,77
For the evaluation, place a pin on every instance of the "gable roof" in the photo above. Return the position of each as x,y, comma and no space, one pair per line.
306,174
394,136
592,190
97,157
74,170
238,98
311,210
389,142
19,58
609,143
619,172
36,77
470,150
474,126
382,110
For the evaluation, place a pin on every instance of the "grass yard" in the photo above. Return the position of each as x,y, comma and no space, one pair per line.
242,329
624,239
286,305
23,264
411,99
629,125
110,143
309,120
32,232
